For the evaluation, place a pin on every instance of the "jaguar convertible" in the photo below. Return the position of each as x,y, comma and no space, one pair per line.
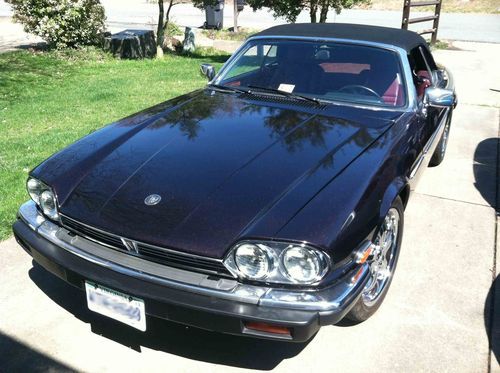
267,204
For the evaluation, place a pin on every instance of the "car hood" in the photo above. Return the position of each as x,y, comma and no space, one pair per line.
220,163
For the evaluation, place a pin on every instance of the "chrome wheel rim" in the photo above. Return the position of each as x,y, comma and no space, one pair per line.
444,143
383,258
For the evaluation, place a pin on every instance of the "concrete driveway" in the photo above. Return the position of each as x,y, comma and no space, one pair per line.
437,315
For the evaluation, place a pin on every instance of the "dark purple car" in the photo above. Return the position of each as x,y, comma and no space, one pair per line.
267,204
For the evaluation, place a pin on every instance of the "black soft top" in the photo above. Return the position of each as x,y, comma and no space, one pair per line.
392,36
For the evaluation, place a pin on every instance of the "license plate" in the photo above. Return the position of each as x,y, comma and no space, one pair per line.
122,307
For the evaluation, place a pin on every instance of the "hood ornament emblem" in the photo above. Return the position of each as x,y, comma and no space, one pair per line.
152,199
130,245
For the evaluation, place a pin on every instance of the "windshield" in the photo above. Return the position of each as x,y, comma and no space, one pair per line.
327,71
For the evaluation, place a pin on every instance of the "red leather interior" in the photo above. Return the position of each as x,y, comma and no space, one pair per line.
424,82
393,95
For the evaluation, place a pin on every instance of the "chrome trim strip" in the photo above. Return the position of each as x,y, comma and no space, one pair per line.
328,299
417,165
428,145
138,242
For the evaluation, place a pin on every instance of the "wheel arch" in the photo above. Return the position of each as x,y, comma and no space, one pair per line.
399,187
405,194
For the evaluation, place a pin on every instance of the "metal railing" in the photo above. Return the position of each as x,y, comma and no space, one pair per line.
408,4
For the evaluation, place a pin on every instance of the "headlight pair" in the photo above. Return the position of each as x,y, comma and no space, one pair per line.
277,262
44,197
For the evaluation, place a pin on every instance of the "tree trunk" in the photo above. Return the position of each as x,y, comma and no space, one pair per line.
159,31
313,9
167,18
324,11
235,15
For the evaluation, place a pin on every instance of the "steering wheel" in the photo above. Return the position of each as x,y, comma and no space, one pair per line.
355,88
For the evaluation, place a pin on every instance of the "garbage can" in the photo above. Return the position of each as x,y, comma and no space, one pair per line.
241,5
215,16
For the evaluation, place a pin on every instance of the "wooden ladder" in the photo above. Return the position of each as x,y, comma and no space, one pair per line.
408,4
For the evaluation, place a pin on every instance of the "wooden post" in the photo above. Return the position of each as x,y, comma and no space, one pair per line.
408,4
406,15
437,13
235,15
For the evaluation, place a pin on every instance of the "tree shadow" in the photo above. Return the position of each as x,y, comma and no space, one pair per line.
20,69
492,319
207,55
169,337
485,170
15,356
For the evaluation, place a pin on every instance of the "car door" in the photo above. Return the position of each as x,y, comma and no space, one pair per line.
428,118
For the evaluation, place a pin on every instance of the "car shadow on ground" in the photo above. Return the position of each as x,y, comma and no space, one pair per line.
166,336
487,179
492,319
485,170
15,356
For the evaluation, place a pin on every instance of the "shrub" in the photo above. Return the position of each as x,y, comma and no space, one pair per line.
62,23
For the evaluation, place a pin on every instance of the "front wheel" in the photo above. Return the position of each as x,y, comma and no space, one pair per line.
382,264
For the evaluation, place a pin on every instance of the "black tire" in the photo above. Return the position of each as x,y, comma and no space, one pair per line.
362,309
440,151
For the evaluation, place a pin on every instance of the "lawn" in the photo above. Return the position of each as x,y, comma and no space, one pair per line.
227,34
48,100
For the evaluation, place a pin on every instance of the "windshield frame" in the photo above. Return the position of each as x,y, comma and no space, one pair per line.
401,55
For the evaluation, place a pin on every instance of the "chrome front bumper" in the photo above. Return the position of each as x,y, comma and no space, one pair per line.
333,299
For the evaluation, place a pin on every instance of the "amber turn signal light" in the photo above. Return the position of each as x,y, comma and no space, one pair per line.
267,328
364,252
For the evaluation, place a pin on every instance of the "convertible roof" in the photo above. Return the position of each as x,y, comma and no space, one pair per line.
397,37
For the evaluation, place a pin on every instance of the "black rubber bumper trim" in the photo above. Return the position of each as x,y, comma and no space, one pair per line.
171,304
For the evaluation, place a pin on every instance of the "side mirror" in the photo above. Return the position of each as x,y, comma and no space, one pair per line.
439,97
207,70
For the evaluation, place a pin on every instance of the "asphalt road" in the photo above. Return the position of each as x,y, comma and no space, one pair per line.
139,13
453,26
437,315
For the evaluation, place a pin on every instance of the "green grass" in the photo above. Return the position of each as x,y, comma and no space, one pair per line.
227,34
50,99
440,44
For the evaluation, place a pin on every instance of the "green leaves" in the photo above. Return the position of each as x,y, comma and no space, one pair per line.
290,9
62,23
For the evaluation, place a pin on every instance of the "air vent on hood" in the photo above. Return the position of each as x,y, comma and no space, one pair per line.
255,96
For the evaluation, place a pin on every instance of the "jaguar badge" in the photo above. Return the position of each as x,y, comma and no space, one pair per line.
152,199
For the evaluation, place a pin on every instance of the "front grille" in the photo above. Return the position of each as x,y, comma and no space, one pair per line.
156,254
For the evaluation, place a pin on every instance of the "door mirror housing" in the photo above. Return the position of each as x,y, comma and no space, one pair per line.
207,70
439,97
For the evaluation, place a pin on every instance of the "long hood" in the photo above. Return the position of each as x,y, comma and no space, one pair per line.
222,165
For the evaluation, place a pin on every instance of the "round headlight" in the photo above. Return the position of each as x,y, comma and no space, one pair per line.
302,264
35,188
252,261
48,204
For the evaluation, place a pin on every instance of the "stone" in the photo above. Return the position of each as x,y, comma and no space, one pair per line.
188,45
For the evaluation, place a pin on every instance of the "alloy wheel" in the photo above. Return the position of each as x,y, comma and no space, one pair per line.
383,258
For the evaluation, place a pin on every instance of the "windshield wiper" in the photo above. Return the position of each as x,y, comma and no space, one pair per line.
265,89
228,88
286,94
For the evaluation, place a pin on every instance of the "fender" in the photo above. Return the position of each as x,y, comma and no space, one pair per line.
396,188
